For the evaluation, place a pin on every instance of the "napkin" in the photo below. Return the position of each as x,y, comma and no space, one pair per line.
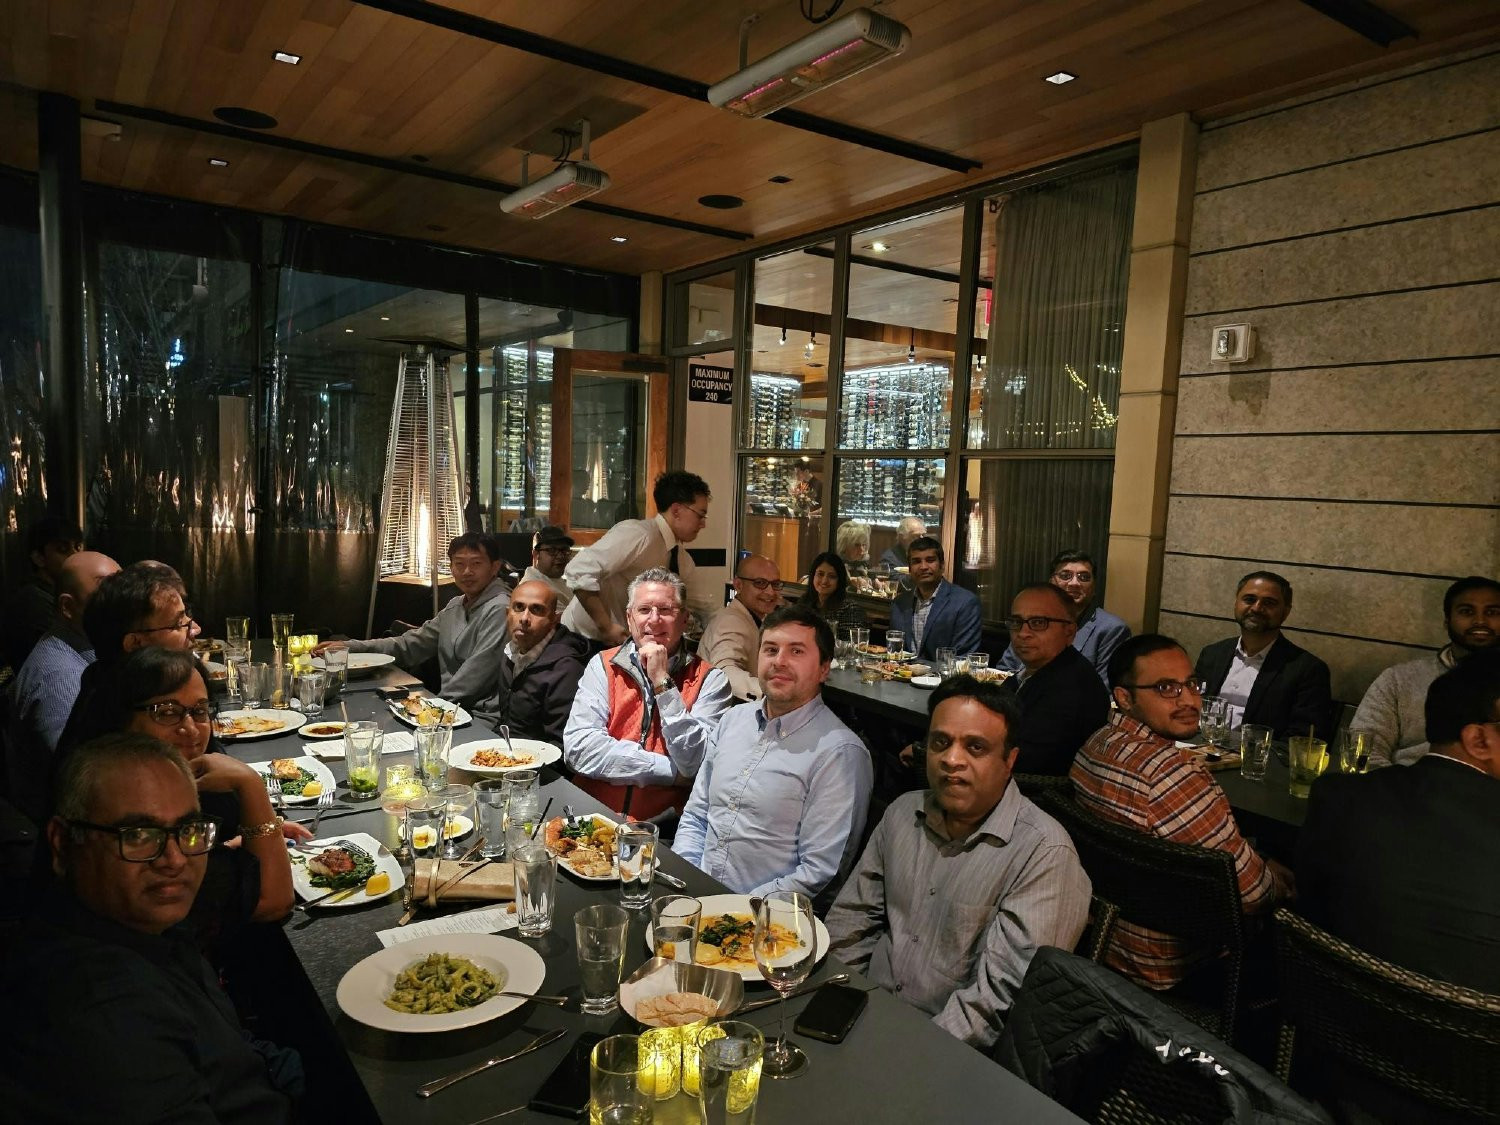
493,882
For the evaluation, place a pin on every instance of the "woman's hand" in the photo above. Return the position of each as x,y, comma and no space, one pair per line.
294,831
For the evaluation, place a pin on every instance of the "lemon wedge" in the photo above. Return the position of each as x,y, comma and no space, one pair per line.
423,837
378,884
313,789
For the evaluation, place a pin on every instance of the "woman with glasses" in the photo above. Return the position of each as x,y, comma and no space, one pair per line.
828,593
164,694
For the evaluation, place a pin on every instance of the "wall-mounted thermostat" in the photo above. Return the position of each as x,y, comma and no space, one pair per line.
1232,343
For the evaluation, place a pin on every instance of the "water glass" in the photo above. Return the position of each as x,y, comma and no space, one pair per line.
281,628
978,662
237,632
1213,721
600,932
310,687
618,1093
1307,758
636,846
489,812
255,685
281,679
522,808
729,1066
1354,751
945,661
895,644
336,664
459,823
674,927
536,876
424,824
432,746
1255,751
363,742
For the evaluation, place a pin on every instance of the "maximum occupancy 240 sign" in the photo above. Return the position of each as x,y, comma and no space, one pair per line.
710,384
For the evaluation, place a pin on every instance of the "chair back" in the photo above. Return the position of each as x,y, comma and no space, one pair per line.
1435,1041
1188,892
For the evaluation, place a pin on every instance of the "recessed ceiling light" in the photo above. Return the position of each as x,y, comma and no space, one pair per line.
879,247
721,202
619,238
218,162
1062,77
385,318
287,57
350,331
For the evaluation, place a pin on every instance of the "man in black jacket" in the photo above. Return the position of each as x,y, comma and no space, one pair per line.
539,667
1265,678
1062,699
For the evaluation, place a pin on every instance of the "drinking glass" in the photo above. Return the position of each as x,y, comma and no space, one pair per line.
400,786
310,687
489,811
1213,721
674,927
336,664
895,644
785,951
281,628
424,824
618,1094
978,662
523,804
363,742
1354,751
600,932
234,663
536,876
459,823
636,846
729,1067
255,685
432,746
237,632
859,637
281,679
1307,758
1255,751
945,659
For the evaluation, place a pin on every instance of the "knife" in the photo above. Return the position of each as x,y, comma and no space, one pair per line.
670,880
428,1089
342,894
463,875
753,1005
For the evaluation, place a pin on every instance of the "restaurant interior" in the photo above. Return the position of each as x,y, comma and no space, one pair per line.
1195,287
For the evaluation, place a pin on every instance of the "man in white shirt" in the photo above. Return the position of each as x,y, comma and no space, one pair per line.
732,640
600,575
549,558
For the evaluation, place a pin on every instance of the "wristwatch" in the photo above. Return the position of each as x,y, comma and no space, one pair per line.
252,831
665,685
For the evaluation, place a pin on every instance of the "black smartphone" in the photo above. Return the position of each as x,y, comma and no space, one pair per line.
565,1091
831,1012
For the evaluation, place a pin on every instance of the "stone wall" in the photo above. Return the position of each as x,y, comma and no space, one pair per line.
1358,453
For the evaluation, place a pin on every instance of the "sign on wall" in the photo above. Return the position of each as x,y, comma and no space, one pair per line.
710,384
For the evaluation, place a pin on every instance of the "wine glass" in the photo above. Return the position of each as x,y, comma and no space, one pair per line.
785,950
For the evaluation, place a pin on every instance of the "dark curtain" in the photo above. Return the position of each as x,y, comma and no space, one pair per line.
23,496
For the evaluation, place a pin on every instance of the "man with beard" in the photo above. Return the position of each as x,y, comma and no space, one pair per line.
1392,711
1265,678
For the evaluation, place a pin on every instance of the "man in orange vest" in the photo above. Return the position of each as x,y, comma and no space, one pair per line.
646,711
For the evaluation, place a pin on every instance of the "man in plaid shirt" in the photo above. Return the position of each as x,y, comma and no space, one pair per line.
1131,772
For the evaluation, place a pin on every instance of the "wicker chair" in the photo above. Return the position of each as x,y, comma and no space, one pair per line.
1178,889
1435,1041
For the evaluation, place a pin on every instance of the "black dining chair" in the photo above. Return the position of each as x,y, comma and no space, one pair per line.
1188,892
1397,1044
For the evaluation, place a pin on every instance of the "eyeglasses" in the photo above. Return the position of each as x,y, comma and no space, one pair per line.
1035,624
1169,689
186,623
1082,577
758,583
168,713
702,516
142,843
645,611
555,549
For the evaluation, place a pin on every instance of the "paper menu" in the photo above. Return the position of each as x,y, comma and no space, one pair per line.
487,920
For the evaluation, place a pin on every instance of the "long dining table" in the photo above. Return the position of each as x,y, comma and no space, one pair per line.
895,1065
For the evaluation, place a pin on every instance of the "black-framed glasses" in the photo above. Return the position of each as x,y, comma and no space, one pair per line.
1035,624
1169,689
142,843
701,515
185,624
168,712
758,583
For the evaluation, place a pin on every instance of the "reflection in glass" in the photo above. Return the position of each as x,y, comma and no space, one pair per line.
874,495
783,515
522,421
905,406
609,449
705,310
789,350
22,411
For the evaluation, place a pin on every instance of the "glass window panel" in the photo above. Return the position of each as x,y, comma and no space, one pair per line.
610,414
874,495
783,515
899,335
1059,256
22,408
705,310
788,402
1015,515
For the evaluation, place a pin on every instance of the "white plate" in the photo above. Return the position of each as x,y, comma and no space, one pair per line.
315,729
290,720
363,989
926,681
463,756
217,673
462,719
714,905
302,882
361,663
312,766
562,861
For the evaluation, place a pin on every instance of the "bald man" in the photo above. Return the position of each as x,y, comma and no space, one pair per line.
539,667
43,691
732,640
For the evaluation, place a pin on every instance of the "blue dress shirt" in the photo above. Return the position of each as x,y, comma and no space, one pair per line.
779,804
1099,634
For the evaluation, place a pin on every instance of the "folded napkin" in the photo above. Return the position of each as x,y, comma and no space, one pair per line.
492,882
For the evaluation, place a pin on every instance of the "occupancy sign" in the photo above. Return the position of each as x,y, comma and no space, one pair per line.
710,384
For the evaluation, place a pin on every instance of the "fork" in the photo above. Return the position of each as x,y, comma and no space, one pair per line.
325,801
273,790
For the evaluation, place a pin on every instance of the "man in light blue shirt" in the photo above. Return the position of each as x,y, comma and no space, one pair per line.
780,801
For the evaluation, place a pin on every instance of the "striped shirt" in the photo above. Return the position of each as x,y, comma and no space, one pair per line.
1128,774
951,925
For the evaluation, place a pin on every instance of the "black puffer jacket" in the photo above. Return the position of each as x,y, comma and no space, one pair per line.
1082,1034
536,703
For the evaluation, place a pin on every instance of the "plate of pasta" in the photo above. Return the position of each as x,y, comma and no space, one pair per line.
726,936
440,983
491,755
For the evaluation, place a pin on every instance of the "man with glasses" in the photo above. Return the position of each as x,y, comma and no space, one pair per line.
646,711
123,1017
1062,699
732,640
549,559
600,574
1099,631
1132,772
935,613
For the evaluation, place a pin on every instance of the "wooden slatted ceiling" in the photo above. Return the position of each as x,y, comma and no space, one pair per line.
388,86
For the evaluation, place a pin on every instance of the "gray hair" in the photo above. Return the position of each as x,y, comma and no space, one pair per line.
85,769
662,576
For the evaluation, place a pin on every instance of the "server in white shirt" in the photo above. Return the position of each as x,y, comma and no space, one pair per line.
732,640
549,559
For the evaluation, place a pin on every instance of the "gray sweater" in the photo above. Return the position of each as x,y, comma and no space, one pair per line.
1393,710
